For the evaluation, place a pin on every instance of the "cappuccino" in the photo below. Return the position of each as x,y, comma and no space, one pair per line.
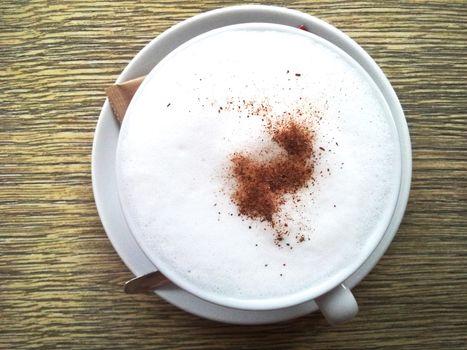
214,184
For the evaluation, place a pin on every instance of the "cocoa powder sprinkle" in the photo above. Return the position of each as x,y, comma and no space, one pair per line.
262,185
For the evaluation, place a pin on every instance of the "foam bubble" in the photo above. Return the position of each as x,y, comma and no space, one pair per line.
175,146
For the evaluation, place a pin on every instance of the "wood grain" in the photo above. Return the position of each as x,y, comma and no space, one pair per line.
60,278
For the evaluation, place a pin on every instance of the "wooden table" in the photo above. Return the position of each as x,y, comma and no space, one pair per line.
61,280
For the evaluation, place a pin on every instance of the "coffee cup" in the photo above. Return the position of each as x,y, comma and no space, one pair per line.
181,147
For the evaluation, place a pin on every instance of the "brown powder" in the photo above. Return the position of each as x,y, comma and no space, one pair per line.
260,185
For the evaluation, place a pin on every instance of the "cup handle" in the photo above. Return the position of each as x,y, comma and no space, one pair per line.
338,305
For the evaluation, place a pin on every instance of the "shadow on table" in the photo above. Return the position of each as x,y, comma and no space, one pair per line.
284,335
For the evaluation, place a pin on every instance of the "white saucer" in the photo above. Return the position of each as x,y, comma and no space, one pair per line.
106,137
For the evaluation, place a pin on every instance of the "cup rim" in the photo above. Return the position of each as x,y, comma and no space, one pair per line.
296,298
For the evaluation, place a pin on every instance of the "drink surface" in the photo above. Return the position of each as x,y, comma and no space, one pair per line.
219,97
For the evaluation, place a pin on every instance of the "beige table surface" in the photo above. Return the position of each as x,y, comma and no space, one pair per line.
61,280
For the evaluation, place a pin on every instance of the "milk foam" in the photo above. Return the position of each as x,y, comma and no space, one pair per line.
173,162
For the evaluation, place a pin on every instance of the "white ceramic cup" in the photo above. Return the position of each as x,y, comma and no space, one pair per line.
337,302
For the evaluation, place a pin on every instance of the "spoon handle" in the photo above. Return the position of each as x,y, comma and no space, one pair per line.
146,283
